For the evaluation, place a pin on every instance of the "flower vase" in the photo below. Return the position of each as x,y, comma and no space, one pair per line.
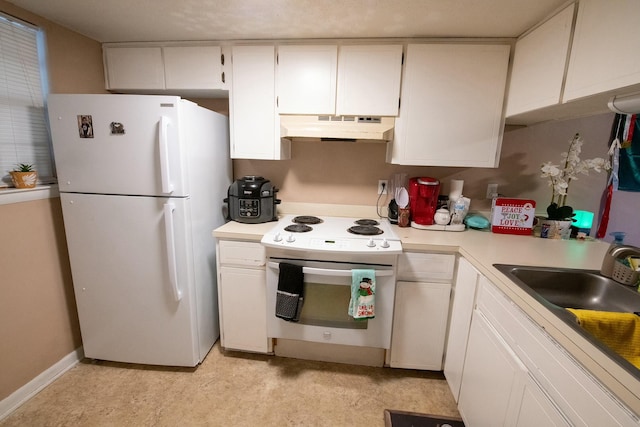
555,229
24,179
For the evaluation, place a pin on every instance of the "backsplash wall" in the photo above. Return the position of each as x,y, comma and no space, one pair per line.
348,173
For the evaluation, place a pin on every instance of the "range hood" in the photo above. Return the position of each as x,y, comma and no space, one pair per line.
337,128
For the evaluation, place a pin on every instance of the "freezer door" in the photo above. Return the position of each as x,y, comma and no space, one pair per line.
118,144
131,261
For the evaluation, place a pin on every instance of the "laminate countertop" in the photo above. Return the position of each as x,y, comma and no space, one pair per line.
483,249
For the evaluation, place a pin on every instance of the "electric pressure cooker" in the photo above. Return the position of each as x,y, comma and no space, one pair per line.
252,200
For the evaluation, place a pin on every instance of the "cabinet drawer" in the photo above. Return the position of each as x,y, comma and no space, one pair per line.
241,253
425,266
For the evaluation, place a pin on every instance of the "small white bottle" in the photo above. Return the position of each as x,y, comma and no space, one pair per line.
458,211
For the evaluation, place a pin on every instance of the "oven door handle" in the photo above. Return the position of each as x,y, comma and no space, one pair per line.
330,272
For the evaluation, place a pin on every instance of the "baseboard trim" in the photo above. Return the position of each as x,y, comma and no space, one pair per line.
27,391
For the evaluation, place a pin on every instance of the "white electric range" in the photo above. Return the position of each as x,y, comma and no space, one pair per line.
330,250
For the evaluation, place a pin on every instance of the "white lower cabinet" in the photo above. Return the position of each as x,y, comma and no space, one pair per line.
536,408
421,310
242,296
492,378
419,325
515,374
463,295
497,389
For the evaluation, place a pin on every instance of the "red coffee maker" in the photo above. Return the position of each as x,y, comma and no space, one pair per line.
423,199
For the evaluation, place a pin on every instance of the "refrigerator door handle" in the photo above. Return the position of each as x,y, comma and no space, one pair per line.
163,142
171,250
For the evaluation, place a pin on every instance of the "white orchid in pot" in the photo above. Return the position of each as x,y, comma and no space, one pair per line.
560,177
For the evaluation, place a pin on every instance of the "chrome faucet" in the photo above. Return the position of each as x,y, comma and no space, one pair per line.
613,253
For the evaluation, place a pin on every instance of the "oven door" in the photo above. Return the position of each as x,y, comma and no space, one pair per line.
324,317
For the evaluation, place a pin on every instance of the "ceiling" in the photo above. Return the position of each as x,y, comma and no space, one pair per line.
181,20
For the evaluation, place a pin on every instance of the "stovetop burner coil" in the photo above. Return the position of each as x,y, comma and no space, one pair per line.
367,222
298,228
306,219
364,230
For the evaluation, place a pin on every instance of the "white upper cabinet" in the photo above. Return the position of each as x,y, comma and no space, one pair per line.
452,105
134,68
193,67
307,79
254,123
604,55
539,64
178,70
353,80
369,80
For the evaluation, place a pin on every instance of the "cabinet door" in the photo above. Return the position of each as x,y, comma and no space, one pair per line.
307,79
193,67
243,305
539,64
134,68
254,124
536,409
419,325
463,296
369,80
493,380
452,103
605,45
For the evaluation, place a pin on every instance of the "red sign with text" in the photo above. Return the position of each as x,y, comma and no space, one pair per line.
512,216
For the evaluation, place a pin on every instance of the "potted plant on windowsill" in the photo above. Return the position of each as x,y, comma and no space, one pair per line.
559,214
24,176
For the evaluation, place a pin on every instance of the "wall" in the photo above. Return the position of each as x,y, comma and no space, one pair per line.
38,321
348,173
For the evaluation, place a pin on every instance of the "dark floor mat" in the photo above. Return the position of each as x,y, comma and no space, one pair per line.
412,419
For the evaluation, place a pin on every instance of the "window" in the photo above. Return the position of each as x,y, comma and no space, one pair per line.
24,136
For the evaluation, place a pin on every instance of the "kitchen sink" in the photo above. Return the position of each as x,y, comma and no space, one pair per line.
560,288
572,288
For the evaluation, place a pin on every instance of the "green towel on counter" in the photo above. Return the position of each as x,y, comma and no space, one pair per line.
363,294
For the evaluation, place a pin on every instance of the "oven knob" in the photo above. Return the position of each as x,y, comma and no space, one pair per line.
277,237
290,238
371,243
384,243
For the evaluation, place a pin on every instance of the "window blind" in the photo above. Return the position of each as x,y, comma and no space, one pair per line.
24,136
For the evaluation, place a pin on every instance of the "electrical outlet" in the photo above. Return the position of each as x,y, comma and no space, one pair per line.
492,191
382,186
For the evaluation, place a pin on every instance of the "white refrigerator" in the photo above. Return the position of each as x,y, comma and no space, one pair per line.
142,179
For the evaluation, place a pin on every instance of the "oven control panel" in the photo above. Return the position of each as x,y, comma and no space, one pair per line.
364,245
